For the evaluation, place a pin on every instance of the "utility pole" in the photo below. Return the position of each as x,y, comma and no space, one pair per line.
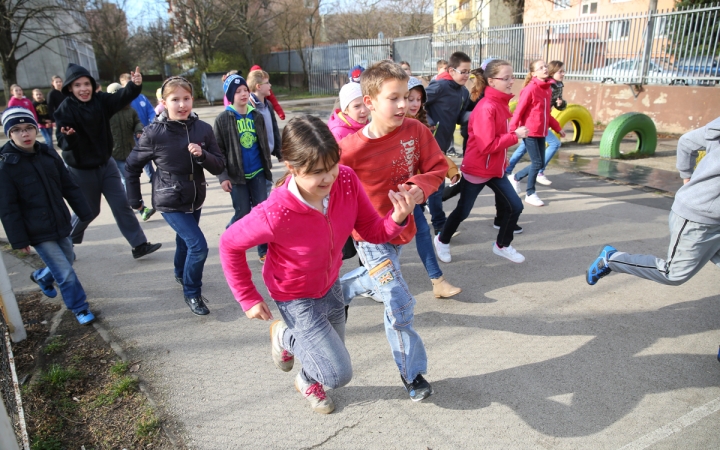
649,36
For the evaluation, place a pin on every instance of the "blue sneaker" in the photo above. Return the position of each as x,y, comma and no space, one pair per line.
599,268
718,354
85,317
47,290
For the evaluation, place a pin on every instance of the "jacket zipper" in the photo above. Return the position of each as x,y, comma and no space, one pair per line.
192,171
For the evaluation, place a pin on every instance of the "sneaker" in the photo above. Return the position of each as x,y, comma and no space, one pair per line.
452,153
443,250
599,268
508,252
145,249
282,358
514,182
197,305
85,317
315,394
534,200
372,296
517,230
49,291
146,213
419,389
262,259
542,179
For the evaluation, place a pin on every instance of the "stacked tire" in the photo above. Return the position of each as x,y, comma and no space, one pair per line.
580,118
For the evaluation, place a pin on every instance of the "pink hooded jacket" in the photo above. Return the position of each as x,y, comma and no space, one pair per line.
341,125
304,246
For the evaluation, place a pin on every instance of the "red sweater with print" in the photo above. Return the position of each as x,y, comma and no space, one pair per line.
408,154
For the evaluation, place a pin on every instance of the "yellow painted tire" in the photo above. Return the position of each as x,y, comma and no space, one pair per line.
700,156
581,120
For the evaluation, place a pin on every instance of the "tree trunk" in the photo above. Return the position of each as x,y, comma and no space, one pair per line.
9,75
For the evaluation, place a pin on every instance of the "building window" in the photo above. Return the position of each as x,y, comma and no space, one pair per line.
452,27
464,6
561,4
588,7
618,29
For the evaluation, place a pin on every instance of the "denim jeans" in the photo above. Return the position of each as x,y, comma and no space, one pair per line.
423,242
553,144
437,215
316,336
536,149
47,135
385,279
191,250
508,205
58,257
247,196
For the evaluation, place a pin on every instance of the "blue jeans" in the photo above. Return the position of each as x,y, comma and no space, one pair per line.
553,144
536,149
385,280
437,215
58,256
191,250
316,336
508,205
47,135
423,242
247,196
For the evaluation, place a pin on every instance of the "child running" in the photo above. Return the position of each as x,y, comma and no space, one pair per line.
306,221
33,184
390,151
557,72
352,114
533,111
484,162
423,238
45,121
181,145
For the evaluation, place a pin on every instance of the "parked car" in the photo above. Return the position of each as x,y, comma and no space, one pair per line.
628,71
692,70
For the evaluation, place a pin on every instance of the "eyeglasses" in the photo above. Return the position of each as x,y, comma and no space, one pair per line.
20,131
461,72
502,79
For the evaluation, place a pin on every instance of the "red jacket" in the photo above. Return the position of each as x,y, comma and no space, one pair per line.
533,109
271,98
304,246
489,136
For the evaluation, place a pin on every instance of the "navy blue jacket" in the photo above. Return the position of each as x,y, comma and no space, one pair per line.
32,188
445,106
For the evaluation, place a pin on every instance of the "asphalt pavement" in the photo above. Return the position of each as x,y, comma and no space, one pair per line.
527,356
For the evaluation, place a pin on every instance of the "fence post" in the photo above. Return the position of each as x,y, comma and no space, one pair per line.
9,307
7,432
649,35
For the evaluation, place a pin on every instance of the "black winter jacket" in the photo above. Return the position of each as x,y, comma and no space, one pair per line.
226,135
557,89
91,145
179,182
446,104
32,188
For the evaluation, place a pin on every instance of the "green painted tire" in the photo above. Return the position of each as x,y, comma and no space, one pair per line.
581,120
621,126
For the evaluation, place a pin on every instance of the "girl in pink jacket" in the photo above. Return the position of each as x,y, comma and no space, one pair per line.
533,111
305,221
352,115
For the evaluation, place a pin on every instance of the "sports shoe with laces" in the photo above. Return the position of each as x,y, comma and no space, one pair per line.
282,358
85,317
508,252
419,389
315,394
599,268
515,184
517,230
443,250
542,179
145,249
197,305
146,213
49,291
534,200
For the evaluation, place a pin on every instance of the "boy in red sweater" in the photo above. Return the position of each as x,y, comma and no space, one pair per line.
392,150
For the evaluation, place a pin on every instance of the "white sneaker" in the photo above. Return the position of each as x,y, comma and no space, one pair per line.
443,250
534,200
372,296
508,252
542,179
514,182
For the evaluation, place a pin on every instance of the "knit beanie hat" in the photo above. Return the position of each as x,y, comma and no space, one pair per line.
231,84
348,93
413,83
17,115
113,88
355,72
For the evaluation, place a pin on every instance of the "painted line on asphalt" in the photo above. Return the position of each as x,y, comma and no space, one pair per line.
673,427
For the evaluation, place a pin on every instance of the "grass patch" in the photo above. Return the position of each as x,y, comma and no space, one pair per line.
56,345
149,88
119,368
46,443
282,93
56,377
147,425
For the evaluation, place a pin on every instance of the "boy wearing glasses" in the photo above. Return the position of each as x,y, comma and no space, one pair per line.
447,100
260,88
34,185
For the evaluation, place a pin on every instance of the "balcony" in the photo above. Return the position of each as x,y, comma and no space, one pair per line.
463,14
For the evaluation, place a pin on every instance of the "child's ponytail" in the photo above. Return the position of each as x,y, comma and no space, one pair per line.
529,76
307,140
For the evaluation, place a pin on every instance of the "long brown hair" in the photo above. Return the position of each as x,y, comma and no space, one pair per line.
481,77
307,140
421,114
529,76
554,67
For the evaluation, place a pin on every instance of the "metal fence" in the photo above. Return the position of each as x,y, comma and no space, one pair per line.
658,47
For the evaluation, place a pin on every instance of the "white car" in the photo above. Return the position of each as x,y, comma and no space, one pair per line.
628,71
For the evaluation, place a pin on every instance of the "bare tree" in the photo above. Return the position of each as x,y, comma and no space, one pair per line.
156,41
298,25
108,28
364,19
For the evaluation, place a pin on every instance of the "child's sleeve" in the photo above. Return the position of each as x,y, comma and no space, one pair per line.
220,139
149,111
484,130
137,123
112,103
212,159
63,119
276,106
142,154
370,226
72,193
11,215
431,165
554,124
518,118
248,232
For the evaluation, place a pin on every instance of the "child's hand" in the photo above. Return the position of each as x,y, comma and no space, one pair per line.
138,135
195,149
559,102
403,204
26,250
455,179
562,133
136,76
67,130
417,193
521,132
259,311
226,186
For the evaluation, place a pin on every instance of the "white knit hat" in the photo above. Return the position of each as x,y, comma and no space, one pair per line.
348,93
